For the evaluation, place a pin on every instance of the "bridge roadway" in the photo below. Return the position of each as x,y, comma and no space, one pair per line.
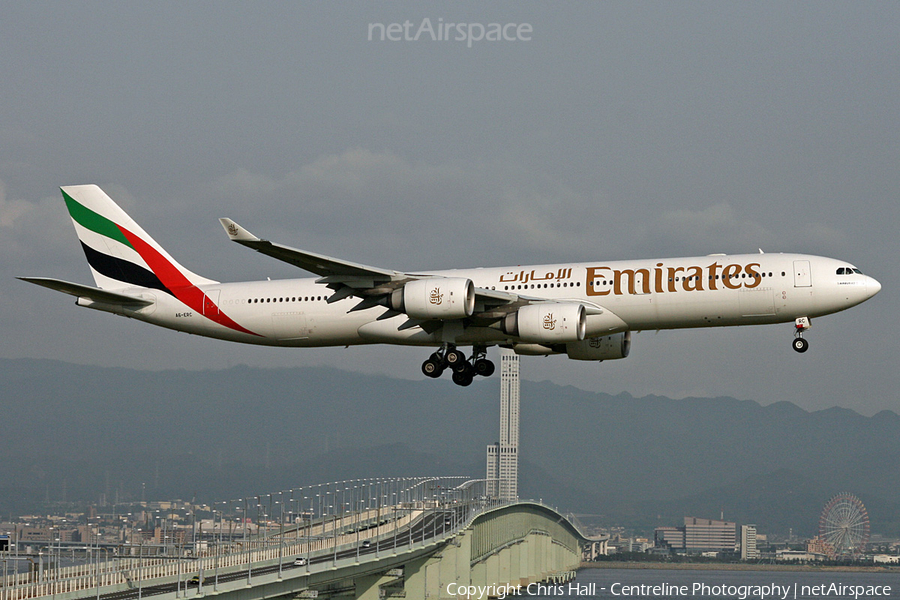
434,550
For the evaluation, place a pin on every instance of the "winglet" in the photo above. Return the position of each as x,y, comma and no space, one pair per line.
237,233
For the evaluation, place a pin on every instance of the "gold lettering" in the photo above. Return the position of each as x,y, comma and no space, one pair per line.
632,277
694,281
727,274
672,271
657,278
714,275
753,274
592,275
637,281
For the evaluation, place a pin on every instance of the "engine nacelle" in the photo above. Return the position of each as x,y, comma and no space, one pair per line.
608,347
547,323
436,298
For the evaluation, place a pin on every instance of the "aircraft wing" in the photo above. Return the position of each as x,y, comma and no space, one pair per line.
374,284
86,291
309,261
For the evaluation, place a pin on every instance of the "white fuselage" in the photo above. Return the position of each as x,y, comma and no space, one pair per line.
706,291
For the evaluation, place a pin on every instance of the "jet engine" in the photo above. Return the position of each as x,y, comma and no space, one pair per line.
608,347
547,323
435,298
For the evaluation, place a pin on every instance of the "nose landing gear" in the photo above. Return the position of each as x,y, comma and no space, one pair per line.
800,325
464,371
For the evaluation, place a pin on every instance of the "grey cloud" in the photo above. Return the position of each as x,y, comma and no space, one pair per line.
474,205
722,228
32,229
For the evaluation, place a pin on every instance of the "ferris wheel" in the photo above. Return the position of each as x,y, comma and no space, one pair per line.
844,525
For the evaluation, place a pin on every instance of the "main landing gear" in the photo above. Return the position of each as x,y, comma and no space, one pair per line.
800,325
464,371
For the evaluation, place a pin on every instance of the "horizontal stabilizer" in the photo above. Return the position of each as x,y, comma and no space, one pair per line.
86,291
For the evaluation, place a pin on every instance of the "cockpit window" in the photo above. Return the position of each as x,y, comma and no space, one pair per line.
840,271
848,271
857,271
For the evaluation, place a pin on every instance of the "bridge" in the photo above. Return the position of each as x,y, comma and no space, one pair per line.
430,537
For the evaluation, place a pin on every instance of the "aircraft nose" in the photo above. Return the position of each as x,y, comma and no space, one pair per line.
872,286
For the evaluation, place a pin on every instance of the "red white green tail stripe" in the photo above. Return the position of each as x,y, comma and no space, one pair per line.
121,254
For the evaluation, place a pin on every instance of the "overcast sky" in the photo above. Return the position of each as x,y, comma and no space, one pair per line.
605,131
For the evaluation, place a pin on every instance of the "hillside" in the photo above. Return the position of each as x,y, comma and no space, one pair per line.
73,432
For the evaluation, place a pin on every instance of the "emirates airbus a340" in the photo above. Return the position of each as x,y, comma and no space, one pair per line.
586,311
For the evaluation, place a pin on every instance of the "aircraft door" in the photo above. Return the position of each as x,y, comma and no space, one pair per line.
211,303
802,276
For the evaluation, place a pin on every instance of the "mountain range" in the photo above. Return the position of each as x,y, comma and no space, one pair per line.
73,432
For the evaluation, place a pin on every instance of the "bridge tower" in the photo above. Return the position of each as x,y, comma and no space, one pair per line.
503,457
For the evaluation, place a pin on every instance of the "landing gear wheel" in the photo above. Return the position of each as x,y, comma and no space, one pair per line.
800,345
433,367
463,377
483,367
456,360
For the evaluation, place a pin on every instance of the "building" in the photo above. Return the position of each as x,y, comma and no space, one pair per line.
798,556
819,546
704,535
749,550
492,472
669,537
698,536
503,457
630,544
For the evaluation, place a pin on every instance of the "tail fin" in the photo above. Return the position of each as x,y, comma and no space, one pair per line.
119,252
